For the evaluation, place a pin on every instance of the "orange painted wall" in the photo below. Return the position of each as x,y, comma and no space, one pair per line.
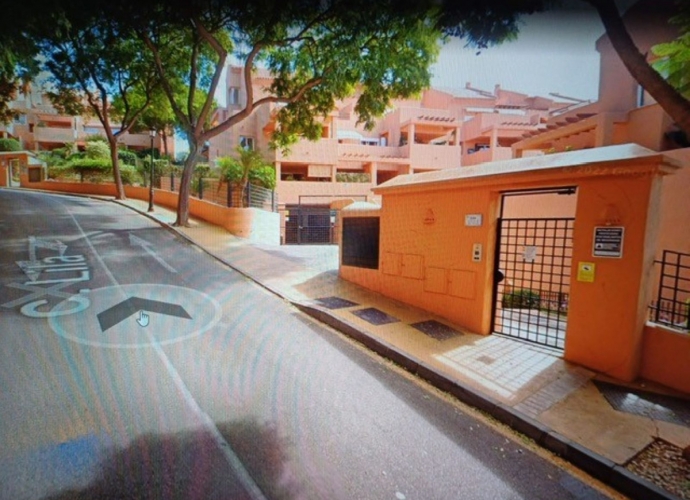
248,223
674,232
665,358
429,264
607,317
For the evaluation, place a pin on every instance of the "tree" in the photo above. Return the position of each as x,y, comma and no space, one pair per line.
91,61
249,165
674,56
663,91
10,145
316,52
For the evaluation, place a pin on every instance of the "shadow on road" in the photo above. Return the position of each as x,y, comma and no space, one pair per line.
190,465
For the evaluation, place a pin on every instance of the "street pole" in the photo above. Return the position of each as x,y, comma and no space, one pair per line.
152,133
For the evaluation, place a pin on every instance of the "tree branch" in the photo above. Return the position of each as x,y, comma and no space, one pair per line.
238,117
668,98
220,65
184,121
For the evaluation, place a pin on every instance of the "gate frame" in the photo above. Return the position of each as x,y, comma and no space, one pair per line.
564,190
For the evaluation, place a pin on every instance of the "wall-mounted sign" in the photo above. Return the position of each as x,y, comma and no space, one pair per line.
608,241
473,220
585,272
529,254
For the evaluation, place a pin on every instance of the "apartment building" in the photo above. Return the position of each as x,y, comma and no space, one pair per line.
439,130
38,126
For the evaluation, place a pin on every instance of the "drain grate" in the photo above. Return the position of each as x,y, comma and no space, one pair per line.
436,330
374,316
646,404
335,302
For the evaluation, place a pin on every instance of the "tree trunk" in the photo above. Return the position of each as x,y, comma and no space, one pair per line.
165,142
119,188
677,107
185,185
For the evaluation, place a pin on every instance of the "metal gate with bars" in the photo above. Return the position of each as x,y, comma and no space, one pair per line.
533,261
309,224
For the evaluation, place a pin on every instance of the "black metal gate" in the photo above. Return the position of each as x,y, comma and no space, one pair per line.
533,261
309,224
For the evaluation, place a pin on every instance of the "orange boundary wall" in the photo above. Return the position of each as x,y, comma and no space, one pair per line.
250,223
665,357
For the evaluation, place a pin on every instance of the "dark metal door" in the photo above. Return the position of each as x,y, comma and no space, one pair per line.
534,258
308,225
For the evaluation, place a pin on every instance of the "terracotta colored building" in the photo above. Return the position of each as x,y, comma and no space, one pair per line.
39,127
437,131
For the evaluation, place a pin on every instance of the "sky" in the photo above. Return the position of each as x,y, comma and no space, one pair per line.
553,53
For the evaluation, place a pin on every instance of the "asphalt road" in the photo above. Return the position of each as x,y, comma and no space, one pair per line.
132,365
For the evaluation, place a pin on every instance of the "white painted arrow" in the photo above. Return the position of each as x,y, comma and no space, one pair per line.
35,243
136,241
32,268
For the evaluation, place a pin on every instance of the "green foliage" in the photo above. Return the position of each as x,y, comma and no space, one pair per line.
146,153
97,149
129,174
352,177
7,144
248,167
674,63
96,138
522,298
91,164
127,156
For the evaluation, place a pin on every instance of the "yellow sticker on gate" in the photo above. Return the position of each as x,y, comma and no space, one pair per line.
585,272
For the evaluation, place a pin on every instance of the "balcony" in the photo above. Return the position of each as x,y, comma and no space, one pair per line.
54,135
487,155
432,156
321,152
365,153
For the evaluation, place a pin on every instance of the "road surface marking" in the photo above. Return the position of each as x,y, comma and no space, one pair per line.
136,241
230,456
225,448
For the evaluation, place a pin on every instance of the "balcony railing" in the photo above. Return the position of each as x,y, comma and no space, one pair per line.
54,134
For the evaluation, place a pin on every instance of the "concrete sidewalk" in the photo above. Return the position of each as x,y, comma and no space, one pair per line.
597,425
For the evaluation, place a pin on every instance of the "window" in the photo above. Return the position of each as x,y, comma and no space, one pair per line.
234,95
246,142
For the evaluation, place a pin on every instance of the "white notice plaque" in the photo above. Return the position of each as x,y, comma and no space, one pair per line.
473,220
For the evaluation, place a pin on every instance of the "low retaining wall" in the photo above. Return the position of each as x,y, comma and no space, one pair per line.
251,223
665,356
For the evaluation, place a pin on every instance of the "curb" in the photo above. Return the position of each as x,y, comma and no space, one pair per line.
592,463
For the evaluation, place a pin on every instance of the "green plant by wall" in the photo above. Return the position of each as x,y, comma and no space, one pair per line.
97,149
352,177
7,144
96,138
127,156
522,298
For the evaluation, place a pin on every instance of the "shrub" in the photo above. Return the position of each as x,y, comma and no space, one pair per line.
352,177
522,298
60,171
129,174
97,149
127,156
10,145
263,176
96,138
